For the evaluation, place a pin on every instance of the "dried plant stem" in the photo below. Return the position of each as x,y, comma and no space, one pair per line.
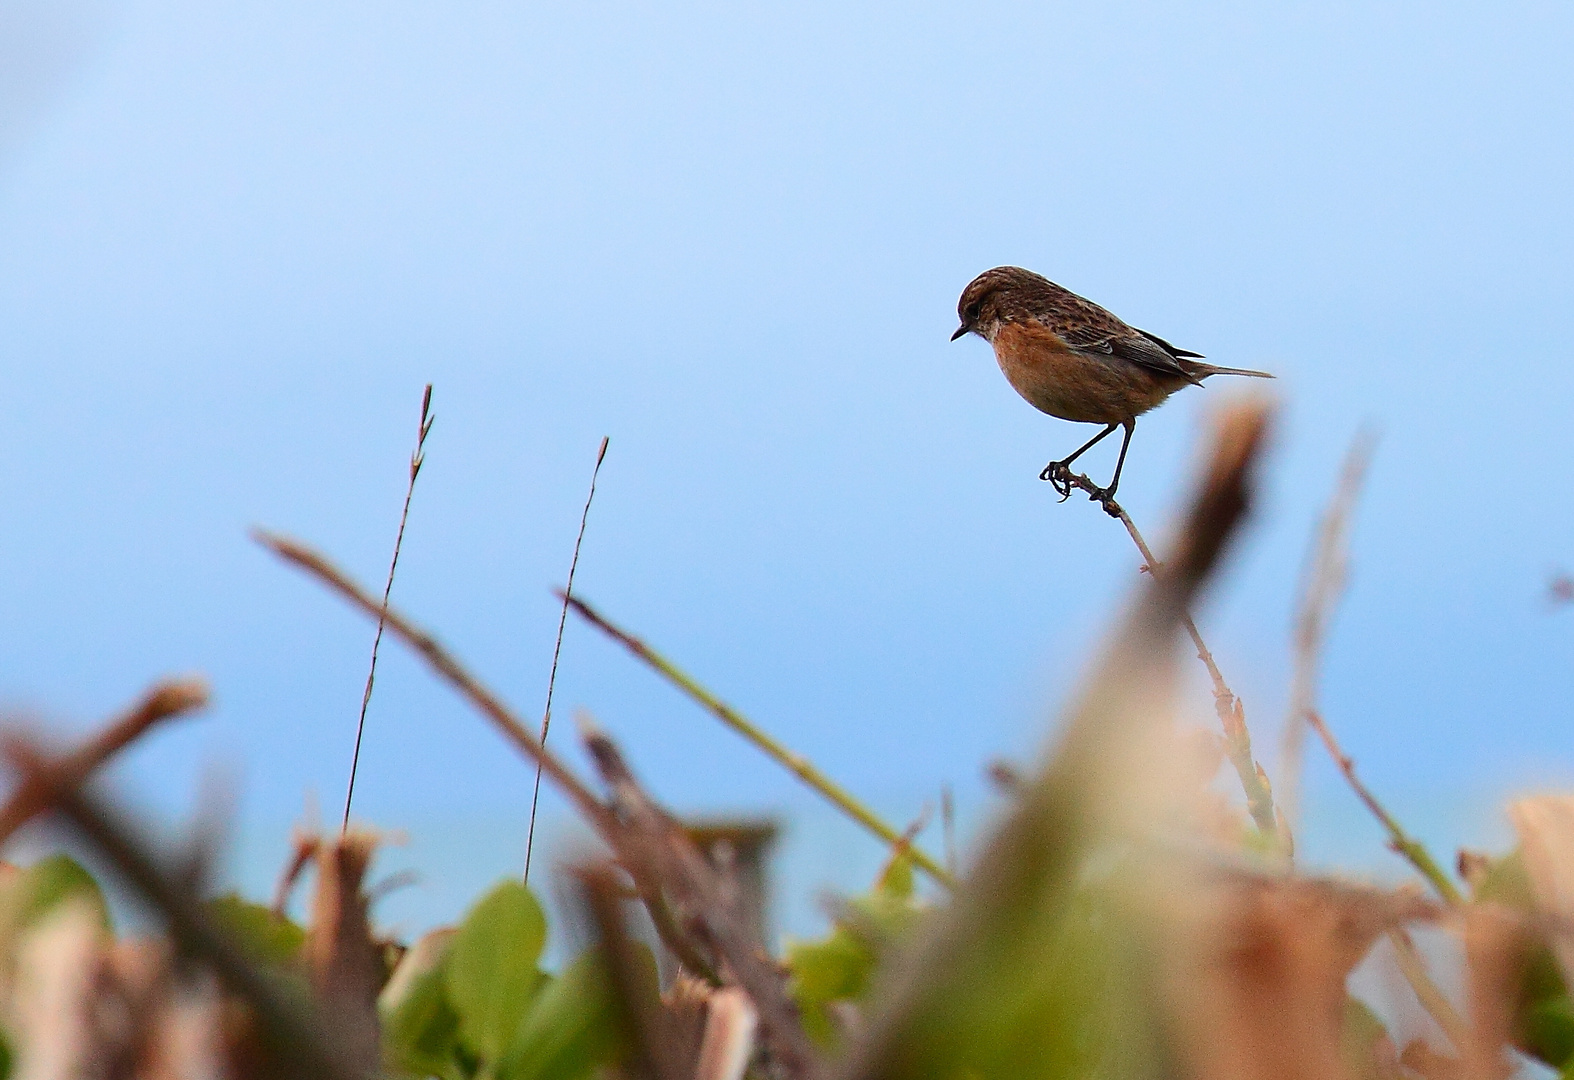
795,763
645,840
164,700
417,459
1325,581
557,650
1232,715
1401,842
1326,575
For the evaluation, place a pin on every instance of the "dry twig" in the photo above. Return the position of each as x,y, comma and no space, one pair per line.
1400,841
165,700
1326,576
645,841
1005,912
447,668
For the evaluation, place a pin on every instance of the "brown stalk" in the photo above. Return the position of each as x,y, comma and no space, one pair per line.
163,701
557,650
655,1047
948,828
417,459
656,847
341,955
293,1034
1232,714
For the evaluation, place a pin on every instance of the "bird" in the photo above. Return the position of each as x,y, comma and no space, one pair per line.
1074,360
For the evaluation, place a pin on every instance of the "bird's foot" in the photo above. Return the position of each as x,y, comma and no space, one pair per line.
1060,477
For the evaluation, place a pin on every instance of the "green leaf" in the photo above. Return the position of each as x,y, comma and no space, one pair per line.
1507,882
1549,1032
575,1025
896,880
267,937
491,976
49,882
1361,1041
839,968
420,1027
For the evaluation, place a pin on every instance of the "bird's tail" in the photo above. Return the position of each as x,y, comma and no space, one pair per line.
1210,369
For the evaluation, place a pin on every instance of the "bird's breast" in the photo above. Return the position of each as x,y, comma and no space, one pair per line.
1057,379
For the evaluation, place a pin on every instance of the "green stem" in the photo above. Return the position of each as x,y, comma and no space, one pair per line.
1401,842
793,762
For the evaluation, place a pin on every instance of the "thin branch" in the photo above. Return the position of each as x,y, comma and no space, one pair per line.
557,650
417,459
1232,714
795,763
165,700
1325,579
1401,842
1325,582
1007,911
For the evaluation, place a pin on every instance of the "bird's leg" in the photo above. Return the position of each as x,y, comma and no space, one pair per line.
1120,462
1058,472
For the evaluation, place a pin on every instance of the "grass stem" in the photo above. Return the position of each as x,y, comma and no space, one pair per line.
791,761
417,459
557,651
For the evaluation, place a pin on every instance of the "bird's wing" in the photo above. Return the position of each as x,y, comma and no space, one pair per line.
1172,350
1085,326
1142,349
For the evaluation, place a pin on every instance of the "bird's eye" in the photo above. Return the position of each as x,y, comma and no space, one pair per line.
971,311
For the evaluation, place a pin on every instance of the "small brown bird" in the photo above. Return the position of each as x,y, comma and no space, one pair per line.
1070,358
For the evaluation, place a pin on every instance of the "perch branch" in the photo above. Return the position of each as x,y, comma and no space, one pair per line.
1232,715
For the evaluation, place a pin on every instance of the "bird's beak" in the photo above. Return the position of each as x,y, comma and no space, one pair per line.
964,328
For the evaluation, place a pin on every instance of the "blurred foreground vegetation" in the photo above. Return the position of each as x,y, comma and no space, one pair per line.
1123,919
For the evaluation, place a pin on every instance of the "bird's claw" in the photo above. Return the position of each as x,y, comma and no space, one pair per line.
1059,478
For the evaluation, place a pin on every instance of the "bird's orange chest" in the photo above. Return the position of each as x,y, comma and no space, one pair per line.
1048,374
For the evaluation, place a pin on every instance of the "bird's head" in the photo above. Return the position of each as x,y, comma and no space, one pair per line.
988,297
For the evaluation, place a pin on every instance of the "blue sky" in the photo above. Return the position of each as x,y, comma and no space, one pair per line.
237,238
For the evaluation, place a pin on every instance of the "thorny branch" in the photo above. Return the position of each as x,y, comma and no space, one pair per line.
1232,714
